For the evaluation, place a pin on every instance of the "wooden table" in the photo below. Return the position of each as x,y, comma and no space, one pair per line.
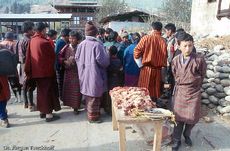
120,120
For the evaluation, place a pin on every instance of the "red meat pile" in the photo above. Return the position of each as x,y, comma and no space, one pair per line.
128,98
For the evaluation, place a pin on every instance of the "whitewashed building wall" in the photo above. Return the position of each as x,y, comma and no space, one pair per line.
204,21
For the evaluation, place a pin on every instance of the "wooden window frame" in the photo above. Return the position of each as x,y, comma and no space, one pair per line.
211,1
222,12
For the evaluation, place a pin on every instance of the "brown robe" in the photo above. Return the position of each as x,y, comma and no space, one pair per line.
187,91
153,50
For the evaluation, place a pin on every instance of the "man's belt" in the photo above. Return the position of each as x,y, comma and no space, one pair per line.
152,67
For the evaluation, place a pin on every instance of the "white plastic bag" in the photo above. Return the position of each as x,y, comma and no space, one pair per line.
139,62
146,130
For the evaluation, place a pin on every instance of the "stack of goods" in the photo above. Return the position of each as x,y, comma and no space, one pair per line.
131,98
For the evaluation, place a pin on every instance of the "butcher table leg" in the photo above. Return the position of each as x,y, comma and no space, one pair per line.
114,120
122,139
157,135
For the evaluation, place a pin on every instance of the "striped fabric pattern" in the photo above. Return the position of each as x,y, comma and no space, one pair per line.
71,95
153,50
93,107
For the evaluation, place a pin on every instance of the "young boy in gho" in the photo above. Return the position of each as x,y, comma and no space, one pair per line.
4,97
115,74
189,71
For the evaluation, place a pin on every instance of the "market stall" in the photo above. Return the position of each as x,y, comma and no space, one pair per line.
132,105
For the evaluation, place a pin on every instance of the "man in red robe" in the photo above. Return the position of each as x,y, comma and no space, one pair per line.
39,65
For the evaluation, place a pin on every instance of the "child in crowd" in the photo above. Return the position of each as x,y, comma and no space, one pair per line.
4,97
115,74
189,70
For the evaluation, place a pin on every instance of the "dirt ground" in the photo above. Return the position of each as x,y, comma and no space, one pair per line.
210,43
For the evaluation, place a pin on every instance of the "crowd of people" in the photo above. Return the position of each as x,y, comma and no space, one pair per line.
78,69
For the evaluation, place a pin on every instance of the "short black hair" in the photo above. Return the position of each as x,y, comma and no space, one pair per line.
27,26
180,29
170,26
76,34
65,32
183,36
157,26
108,30
113,36
40,26
101,31
52,33
136,37
113,50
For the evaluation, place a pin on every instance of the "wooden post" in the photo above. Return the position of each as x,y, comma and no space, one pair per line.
157,135
114,120
122,142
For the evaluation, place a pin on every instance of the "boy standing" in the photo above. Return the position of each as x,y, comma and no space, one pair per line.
189,71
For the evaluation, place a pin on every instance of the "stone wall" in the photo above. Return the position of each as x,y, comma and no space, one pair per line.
216,85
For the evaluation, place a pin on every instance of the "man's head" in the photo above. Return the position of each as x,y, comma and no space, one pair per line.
157,26
40,27
65,34
52,34
136,37
113,51
101,32
107,32
186,43
9,36
90,29
112,36
125,36
170,29
75,38
28,27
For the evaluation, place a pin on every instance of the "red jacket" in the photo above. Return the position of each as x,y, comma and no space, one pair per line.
4,89
40,58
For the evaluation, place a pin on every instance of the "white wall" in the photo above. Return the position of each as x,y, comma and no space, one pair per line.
204,21
128,26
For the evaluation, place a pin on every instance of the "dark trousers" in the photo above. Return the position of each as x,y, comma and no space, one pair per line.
182,127
15,85
28,88
28,96
3,114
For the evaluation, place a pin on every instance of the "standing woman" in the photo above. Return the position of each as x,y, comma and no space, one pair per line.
71,88
4,97
131,69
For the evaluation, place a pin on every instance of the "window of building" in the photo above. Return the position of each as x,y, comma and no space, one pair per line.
76,20
89,18
210,1
223,9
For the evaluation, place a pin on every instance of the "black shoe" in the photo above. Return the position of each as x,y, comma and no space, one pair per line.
188,141
176,145
54,118
75,111
42,115
95,121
